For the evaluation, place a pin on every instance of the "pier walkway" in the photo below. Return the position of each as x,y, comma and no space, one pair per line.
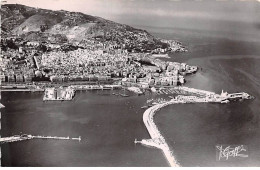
16,138
157,140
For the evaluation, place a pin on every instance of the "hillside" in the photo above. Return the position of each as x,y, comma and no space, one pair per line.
36,24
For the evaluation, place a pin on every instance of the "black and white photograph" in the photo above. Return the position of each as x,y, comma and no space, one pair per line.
130,83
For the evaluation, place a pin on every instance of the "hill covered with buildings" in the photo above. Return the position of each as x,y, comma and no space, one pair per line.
45,46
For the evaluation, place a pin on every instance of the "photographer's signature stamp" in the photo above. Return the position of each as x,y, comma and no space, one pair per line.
231,152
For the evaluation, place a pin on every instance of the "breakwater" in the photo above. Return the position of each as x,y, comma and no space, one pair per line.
157,140
23,137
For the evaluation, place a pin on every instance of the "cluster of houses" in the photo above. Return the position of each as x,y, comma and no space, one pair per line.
96,61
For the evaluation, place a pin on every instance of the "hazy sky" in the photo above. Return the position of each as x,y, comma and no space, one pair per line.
234,16
111,9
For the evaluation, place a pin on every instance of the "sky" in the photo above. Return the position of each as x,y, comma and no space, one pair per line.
213,15
111,9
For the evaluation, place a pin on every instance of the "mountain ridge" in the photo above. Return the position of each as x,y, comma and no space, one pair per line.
21,20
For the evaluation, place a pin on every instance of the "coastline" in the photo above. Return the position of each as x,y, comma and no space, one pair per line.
191,131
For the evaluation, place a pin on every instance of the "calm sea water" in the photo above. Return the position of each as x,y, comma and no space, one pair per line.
194,130
109,124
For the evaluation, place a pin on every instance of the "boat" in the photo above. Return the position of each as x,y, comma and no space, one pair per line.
153,89
224,101
124,95
135,90
144,107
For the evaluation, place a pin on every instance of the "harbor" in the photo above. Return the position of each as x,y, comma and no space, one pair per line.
98,42
116,106
157,140
23,137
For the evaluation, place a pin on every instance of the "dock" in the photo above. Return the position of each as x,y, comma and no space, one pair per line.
23,137
56,137
21,88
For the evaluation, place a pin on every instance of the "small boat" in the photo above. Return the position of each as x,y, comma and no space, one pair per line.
225,101
144,107
124,95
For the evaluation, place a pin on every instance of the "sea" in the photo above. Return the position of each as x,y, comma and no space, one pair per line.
109,124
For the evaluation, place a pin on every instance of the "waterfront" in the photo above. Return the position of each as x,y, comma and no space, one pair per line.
113,130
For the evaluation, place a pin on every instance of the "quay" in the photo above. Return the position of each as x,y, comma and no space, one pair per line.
20,88
182,90
95,87
157,140
16,138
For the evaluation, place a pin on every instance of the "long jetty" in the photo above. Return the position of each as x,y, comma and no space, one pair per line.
157,140
16,138
21,90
